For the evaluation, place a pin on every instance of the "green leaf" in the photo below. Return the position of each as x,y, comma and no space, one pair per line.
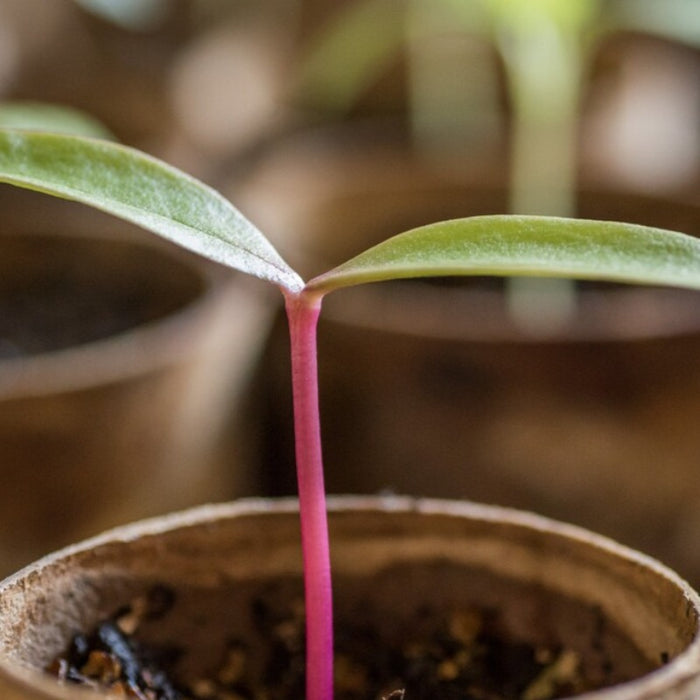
130,14
678,20
145,191
350,52
571,17
39,116
526,246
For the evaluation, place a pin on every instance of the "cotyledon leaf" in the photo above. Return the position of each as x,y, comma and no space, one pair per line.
141,189
526,246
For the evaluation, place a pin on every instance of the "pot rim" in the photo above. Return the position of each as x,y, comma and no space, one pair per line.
680,668
433,316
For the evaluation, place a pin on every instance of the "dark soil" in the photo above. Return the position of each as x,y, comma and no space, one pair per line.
453,657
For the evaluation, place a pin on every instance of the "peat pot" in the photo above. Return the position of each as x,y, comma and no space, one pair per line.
627,620
571,421
120,361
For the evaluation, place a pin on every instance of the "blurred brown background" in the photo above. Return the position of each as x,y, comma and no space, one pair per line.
333,125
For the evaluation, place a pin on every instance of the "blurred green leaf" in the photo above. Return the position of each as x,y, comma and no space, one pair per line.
570,16
677,20
130,14
40,116
350,52
526,246
145,191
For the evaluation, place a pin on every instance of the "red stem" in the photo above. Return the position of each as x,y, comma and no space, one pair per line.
302,313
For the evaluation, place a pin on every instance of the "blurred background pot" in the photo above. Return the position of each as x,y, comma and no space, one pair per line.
114,71
571,420
123,360
542,582
195,82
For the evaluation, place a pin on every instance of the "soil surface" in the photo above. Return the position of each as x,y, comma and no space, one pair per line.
447,657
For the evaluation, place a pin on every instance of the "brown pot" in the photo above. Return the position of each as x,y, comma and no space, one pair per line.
572,424
542,580
122,360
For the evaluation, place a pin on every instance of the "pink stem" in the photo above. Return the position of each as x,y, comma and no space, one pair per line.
302,313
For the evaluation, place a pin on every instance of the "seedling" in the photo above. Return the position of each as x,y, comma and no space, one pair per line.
147,192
